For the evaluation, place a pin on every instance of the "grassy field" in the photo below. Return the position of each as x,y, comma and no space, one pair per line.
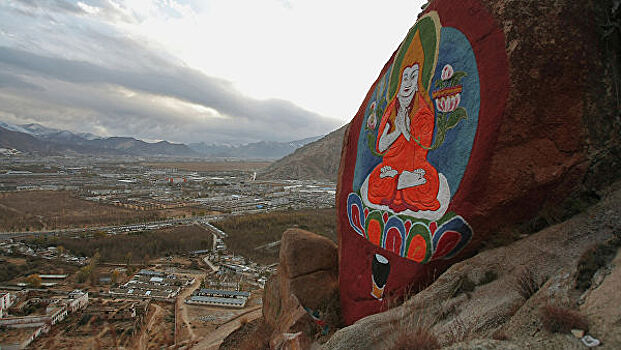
250,231
139,246
210,166
44,210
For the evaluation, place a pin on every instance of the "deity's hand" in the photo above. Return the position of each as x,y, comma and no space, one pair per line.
387,171
407,129
412,178
406,134
402,124
387,139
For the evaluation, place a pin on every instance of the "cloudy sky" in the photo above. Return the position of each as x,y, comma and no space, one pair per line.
217,71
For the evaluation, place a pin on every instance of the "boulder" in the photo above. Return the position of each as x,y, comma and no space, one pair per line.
307,280
308,267
489,116
293,320
303,252
312,289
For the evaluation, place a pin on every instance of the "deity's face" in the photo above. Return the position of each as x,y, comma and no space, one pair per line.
409,82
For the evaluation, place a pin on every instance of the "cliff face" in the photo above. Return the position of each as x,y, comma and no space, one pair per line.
514,125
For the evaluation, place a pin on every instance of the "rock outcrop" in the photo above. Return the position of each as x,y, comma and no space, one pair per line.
308,267
485,302
490,116
307,281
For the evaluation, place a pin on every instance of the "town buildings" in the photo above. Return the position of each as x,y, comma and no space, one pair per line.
23,329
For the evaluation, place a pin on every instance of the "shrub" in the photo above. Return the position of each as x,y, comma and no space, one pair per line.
594,259
527,283
464,285
559,319
415,339
489,277
500,335
33,280
330,310
84,273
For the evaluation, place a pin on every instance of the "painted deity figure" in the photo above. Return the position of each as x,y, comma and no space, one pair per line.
405,180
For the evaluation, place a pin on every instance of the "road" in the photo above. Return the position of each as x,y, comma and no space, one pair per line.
120,228
182,319
211,228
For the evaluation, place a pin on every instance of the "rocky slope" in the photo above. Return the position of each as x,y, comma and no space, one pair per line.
480,303
316,160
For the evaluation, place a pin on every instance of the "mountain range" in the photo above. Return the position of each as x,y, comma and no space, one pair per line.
36,138
39,139
270,150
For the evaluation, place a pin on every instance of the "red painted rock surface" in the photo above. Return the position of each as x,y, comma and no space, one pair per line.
486,112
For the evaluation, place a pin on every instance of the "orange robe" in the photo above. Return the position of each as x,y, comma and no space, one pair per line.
407,155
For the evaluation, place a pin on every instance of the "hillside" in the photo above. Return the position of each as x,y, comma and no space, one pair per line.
271,150
316,160
25,143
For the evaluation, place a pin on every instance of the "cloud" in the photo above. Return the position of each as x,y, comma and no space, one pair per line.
153,68
8,80
32,7
63,66
160,102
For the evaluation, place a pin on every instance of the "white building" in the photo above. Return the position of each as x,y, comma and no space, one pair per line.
5,303
77,300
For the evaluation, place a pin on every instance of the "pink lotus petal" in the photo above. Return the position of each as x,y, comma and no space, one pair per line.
447,72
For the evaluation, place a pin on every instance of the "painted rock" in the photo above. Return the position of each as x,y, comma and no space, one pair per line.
451,143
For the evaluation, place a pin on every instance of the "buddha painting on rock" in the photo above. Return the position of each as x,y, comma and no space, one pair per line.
404,179
412,153
405,182
416,157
